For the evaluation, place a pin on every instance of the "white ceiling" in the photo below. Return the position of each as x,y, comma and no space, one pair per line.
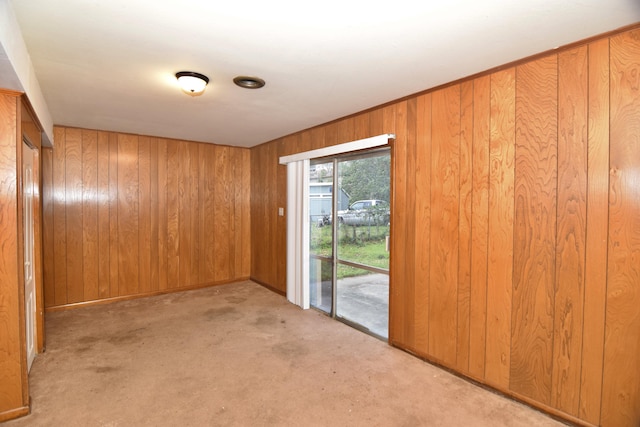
110,64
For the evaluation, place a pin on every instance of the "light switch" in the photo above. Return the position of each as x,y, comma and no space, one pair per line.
281,211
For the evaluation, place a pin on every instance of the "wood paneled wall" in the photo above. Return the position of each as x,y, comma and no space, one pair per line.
515,226
15,121
135,215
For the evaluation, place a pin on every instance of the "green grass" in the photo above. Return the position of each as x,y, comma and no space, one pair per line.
364,245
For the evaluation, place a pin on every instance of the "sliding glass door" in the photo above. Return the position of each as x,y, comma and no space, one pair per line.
349,232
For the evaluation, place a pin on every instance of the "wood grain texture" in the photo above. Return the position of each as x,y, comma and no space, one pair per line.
464,225
410,125
207,188
595,284
445,203
281,222
194,229
11,366
534,229
148,222
479,225
163,220
73,182
103,215
184,214
113,212
90,254
144,214
128,221
535,223
245,208
222,213
422,225
154,216
621,383
500,226
47,224
59,191
571,229
233,242
173,215
400,290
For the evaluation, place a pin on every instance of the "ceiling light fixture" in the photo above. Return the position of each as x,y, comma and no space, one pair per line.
249,82
192,83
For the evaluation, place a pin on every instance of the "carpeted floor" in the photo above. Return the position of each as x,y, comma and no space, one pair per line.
240,355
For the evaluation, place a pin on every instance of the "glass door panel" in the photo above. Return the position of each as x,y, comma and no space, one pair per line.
362,255
320,281
363,299
348,239
321,236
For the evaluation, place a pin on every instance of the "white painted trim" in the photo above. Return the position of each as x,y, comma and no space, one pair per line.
297,233
361,144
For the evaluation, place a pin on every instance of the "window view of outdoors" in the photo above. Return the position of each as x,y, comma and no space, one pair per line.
361,229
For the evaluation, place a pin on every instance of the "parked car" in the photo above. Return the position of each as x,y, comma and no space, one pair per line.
365,212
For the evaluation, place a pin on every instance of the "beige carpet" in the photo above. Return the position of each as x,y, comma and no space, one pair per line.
241,355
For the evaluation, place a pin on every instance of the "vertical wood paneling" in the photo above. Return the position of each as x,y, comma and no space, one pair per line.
208,213
595,284
621,384
113,211
154,224
11,356
409,221
47,225
59,219
203,225
73,180
267,257
500,226
464,225
247,236
90,243
280,250
103,215
479,225
147,216
221,213
184,223
445,203
173,214
258,188
232,212
144,214
571,229
128,223
194,185
361,125
303,143
422,225
163,219
399,289
534,229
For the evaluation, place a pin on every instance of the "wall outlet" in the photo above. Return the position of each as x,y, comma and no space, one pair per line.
281,211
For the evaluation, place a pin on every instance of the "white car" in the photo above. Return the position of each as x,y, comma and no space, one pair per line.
365,212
